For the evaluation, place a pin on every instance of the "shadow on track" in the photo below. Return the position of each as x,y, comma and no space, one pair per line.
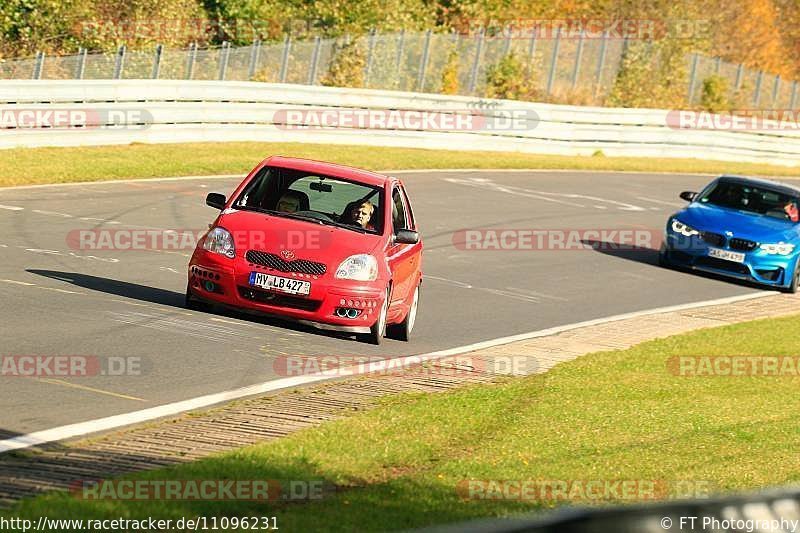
649,256
170,298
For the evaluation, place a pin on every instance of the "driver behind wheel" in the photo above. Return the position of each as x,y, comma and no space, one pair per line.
289,202
362,213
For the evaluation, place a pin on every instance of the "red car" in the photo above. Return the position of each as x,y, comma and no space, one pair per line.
327,245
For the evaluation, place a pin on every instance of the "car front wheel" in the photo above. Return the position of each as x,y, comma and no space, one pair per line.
378,330
792,287
405,327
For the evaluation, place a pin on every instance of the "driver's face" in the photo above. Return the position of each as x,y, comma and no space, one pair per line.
361,215
288,204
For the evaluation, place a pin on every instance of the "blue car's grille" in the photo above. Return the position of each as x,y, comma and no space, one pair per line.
713,238
742,244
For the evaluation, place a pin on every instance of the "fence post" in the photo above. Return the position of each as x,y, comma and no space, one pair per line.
254,54
793,99
80,67
473,79
157,61
776,87
757,95
576,70
370,51
119,66
400,48
423,64
692,78
190,61
507,43
531,53
551,78
287,45
312,67
224,52
717,65
601,63
739,76
37,66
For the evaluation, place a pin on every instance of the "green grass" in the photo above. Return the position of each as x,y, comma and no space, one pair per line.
607,416
26,166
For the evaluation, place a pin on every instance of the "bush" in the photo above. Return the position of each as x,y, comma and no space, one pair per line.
715,94
450,84
506,79
346,67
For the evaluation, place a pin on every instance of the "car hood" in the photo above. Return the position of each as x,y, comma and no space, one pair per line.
743,225
308,240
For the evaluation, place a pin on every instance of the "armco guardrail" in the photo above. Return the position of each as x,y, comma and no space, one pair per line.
160,111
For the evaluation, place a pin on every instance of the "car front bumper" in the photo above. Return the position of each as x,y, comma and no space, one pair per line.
693,252
217,279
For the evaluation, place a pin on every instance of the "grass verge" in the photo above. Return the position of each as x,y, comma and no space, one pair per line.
28,166
619,415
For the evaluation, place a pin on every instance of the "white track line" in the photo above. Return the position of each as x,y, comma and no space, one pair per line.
11,207
126,419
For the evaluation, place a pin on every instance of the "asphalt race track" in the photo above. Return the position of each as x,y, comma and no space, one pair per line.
58,300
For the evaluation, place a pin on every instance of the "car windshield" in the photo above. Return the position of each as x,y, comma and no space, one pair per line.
314,197
752,199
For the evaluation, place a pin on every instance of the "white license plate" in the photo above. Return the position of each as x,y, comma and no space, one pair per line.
277,283
726,254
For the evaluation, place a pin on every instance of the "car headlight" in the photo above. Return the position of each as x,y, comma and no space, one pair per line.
220,241
360,267
778,248
683,229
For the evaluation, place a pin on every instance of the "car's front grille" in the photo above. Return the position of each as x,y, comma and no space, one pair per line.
713,238
722,264
279,300
274,261
742,244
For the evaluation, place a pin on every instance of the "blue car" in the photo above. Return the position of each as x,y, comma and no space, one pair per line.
738,227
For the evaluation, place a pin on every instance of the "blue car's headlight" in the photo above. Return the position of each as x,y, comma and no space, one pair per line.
777,249
683,229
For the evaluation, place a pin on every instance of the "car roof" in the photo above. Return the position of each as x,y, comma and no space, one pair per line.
786,188
329,169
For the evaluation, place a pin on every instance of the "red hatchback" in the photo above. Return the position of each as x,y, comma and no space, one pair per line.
328,245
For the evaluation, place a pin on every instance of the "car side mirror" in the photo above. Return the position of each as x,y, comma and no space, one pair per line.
689,196
406,236
217,200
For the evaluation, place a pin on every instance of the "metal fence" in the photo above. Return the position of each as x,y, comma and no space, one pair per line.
572,70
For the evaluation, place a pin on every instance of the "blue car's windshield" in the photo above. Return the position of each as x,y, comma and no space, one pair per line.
756,200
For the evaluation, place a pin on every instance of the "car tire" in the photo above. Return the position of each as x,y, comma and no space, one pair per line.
663,260
404,328
193,303
378,330
793,286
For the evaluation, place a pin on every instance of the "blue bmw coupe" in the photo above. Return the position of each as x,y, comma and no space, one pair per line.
738,227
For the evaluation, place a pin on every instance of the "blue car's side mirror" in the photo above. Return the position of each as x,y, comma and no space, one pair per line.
689,196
